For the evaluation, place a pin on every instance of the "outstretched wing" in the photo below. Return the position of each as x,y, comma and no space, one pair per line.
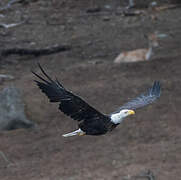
144,99
70,104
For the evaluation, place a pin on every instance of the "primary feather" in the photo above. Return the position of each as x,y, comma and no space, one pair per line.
70,104
144,99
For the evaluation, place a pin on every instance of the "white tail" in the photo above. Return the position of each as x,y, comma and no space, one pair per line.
139,54
78,132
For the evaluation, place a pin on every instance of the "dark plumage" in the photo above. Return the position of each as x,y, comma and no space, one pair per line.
91,121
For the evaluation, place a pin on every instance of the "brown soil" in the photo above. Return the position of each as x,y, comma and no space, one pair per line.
149,140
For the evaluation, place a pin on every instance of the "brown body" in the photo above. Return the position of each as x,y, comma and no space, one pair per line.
138,54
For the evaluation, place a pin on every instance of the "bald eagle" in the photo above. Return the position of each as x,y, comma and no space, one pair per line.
90,120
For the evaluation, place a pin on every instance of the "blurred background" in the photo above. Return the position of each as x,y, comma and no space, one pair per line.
77,41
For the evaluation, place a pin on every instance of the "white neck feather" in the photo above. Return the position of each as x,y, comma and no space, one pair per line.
117,118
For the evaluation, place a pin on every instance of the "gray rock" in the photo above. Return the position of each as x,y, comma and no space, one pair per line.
12,115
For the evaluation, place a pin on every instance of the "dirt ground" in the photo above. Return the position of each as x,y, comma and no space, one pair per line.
151,140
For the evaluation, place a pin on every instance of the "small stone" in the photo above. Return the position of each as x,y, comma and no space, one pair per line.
106,18
93,10
108,7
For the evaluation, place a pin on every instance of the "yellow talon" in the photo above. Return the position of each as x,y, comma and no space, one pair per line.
81,133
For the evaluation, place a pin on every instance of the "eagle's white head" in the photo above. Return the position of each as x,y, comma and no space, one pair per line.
116,118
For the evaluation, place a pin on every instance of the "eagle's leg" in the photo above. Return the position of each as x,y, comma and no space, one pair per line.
81,133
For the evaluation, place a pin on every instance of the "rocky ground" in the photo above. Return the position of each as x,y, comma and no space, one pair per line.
148,141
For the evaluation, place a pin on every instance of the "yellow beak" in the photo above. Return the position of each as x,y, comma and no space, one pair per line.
131,112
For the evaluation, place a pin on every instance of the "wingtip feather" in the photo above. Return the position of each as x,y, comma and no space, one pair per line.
156,89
